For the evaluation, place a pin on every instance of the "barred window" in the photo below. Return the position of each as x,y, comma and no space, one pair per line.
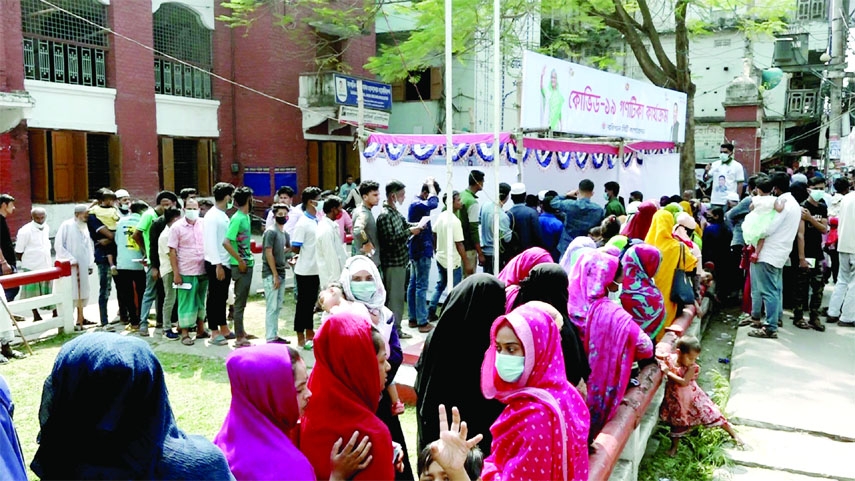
40,19
179,33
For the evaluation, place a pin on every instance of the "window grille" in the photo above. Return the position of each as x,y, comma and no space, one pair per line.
61,48
179,33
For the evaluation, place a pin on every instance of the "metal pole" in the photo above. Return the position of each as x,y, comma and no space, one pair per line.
497,113
449,147
835,74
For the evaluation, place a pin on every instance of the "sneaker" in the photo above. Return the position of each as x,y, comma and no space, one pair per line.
171,335
144,333
106,328
308,345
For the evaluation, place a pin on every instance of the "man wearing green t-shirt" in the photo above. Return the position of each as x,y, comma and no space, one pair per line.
239,236
613,204
470,219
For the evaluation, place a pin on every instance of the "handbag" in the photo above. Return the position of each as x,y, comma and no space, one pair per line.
682,291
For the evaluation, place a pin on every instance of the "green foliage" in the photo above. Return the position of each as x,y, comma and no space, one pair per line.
700,453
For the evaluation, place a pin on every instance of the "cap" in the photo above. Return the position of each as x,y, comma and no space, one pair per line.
517,188
798,178
732,197
685,220
122,193
541,196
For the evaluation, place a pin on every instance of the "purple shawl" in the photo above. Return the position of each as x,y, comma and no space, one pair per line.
264,408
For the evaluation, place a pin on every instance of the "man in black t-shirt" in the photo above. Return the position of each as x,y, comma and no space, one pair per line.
7,247
807,257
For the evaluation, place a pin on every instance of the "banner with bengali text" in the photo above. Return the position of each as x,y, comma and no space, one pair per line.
565,97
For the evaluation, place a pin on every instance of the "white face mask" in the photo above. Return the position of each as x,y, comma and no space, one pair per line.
723,157
191,214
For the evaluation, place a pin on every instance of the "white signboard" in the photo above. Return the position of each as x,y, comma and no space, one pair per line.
566,97
371,117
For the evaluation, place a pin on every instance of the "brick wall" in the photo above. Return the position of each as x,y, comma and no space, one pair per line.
131,73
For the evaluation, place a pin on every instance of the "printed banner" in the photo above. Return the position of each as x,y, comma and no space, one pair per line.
570,98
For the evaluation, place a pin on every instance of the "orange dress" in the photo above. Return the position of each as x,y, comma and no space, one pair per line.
685,407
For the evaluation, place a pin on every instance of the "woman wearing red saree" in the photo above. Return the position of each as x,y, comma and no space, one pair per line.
346,382
542,433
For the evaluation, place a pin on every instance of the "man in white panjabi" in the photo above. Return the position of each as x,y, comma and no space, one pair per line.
73,243
33,251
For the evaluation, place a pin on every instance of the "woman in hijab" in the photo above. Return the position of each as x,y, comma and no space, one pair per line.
347,379
576,247
672,251
640,297
518,269
105,414
639,224
549,283
613,342
361,282
12,465
449,369
588,278
542,433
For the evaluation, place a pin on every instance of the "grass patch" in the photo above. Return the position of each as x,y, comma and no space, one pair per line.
700,453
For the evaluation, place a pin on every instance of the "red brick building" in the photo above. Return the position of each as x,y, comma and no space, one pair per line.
82,108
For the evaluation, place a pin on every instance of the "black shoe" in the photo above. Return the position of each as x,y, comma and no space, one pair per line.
404,335
7,352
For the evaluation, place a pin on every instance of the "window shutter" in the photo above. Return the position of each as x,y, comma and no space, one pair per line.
167,163
39,165
63,166
115,155
398,91
435,83
80,167
203,166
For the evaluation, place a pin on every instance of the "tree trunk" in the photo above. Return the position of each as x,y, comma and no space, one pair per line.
687,153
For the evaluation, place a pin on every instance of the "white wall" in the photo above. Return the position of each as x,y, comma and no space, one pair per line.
415,117
186,117
71,107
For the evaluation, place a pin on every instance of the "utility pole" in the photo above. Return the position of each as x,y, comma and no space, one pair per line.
835,75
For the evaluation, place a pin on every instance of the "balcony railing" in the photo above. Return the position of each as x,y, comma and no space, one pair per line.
181,80
802,103
52,61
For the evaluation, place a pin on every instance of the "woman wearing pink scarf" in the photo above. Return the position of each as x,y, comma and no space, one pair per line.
588,282
574,250
518,269
542,433
639,223
612,339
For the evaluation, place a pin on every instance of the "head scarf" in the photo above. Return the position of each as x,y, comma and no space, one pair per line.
549,283
518,269
12,465
463,331
571,255
660,237
674,208
346,391
255,433
687,207
640,297
619,242
591,275
542,407
105,414
376,305
639,224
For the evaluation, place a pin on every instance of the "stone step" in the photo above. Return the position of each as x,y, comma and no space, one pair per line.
795,453
743,473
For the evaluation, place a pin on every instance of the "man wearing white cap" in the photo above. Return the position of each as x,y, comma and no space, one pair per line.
72,242
524,220
33,251
123,202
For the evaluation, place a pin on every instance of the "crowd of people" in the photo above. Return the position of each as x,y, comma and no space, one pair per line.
547,347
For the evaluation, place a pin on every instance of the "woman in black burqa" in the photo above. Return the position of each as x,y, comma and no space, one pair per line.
449,369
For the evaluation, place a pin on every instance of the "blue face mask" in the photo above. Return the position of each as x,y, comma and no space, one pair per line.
363,290
510,368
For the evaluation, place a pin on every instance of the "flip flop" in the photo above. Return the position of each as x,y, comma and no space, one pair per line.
219,341
243,343
763,333
187,341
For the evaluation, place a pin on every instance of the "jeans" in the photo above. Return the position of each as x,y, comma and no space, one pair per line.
417,290
274,299
153,295
441,285
766,291
842,302
106,280
307,297
395,280
243,281
805,300
218,293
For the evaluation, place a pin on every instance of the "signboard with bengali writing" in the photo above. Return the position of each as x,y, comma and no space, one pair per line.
565,97
375,95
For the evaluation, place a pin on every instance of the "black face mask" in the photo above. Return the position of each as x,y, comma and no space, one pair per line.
281,220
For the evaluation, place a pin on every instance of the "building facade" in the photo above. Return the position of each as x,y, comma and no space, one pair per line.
144,96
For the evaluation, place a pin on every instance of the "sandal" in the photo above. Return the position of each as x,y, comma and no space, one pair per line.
187,341
763,333
755,323
242,343
801,324
219,341
204,335
817,325
230,336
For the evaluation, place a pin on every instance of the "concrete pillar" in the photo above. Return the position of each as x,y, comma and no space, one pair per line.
743,121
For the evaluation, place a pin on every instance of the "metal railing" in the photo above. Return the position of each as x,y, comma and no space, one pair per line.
61,62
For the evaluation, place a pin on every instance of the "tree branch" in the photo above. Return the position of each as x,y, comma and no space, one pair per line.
649,30
624,24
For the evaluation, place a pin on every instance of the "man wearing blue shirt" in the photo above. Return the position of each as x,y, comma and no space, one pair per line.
524,219
580,214
551,226
421,254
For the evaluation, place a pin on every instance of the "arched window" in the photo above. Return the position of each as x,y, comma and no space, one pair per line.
179,33
61,48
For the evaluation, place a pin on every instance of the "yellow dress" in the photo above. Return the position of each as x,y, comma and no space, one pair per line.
660,237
